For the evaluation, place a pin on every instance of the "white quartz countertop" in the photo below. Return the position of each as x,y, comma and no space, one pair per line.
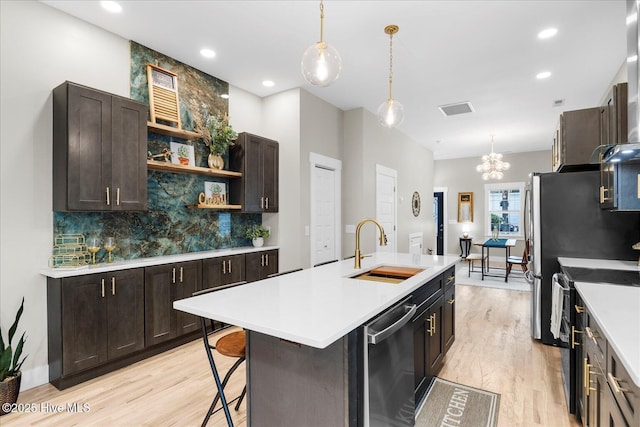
608,264
617,310
315,306
57,273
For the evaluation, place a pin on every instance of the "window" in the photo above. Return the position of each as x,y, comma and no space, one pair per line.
504,203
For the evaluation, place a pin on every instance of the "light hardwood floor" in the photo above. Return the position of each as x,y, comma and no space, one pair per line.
492,351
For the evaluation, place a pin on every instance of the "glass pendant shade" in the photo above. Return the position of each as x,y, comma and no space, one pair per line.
321,64
390,113
492,166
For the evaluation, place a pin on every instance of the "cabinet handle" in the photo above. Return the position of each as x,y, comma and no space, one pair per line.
173,273
585,375
591,335
430,330
229,266
108,198
102,283
434,323
266,256
118,196
573,336
262,260
113,285
579,309
181,275
451,301
614,383
267,203
450,278
602,194
224,267
261,202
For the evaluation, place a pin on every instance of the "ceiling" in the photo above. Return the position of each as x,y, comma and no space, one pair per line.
485,52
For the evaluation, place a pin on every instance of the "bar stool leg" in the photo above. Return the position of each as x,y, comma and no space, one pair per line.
217,380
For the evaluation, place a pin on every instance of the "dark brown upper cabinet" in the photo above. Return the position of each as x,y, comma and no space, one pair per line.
578,134
257,158
99,151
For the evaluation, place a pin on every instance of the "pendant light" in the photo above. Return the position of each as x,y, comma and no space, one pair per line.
492,166
391,112
321,63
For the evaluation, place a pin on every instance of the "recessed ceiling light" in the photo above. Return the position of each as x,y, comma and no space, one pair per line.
268,83
548,33
543,75
224,96
111,6
207,53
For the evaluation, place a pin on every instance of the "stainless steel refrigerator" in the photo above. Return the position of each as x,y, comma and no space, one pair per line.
565,220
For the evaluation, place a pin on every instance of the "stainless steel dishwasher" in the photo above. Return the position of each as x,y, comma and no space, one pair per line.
388,368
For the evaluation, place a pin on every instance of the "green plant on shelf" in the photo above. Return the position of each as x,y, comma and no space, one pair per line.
219,135
257,231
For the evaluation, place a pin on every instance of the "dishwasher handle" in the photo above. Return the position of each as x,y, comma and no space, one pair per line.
383,334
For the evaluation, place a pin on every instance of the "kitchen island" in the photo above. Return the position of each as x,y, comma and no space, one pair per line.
304,335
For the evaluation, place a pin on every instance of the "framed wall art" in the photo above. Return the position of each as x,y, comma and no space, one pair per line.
465,207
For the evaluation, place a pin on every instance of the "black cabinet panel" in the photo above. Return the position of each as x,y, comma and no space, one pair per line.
99,151
257,158
125,312
259,265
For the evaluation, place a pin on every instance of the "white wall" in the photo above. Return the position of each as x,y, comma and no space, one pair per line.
367,144
459,175
41,48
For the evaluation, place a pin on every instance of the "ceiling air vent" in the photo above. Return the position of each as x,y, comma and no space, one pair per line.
457,108
558,102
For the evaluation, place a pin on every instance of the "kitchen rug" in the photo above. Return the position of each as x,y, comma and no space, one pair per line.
451,404
516,279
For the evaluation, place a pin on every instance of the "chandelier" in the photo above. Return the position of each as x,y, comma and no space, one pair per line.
391,112
321,63
492,165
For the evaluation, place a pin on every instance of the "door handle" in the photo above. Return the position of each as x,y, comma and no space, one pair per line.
383,334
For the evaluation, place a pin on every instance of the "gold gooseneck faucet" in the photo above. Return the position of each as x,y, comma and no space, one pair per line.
383,239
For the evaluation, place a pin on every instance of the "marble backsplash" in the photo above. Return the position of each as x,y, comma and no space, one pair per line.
168,227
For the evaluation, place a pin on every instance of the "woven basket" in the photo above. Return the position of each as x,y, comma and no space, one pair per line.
9,389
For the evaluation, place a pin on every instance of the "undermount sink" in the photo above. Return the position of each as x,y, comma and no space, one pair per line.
388,274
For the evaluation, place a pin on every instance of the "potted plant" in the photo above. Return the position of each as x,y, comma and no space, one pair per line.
10,364
257,234
219,136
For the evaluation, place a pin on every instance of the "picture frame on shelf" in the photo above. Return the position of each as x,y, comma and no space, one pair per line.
215,192
182,154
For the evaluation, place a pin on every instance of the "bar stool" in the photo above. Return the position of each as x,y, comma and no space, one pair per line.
231,345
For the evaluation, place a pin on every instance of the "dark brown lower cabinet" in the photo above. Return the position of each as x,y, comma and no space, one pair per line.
449,317
223,271
433,329
165,284
94,319
258,265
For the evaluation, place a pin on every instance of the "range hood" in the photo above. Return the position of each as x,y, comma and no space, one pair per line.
630,151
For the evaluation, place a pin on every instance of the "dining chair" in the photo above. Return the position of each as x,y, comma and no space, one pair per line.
521,261
230,345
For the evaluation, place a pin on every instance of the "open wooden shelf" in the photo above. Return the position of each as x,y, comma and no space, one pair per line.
172,167
220,207
171,131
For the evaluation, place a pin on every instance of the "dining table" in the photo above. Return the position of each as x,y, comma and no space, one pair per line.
500,243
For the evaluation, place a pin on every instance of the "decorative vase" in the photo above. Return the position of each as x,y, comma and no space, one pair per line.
494,233
9,389
258,242
215,161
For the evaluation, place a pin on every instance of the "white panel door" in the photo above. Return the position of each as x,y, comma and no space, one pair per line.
386,205
324,215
